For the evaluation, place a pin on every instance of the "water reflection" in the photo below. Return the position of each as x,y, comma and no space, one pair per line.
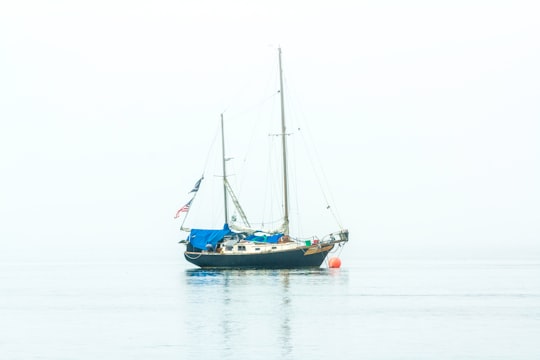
240,276
285,334
238,313
203,277
226,321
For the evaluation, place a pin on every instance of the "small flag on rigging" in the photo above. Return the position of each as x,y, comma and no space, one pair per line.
197,184
184,208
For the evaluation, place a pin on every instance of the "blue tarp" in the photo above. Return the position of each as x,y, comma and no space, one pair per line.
273,239
199,238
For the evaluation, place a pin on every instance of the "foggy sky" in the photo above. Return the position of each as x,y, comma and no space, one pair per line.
427,113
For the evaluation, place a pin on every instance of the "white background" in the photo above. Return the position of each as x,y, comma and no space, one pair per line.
428,115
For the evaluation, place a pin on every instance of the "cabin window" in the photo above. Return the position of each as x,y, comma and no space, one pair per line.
241,248
257,249
274,247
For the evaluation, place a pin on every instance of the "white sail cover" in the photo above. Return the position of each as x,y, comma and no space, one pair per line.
249,230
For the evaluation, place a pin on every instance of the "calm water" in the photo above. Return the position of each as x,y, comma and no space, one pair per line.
366,310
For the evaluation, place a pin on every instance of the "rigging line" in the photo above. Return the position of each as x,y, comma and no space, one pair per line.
334,214
276,184
266,187
255,125
271,80
248,109
187,213
242,113
318,171
193,258
249,158
269,203
294,179
212,143
249,85
275,221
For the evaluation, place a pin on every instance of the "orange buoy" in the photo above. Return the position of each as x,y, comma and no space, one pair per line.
334,263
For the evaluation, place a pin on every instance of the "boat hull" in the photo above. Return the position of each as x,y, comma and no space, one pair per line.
289,259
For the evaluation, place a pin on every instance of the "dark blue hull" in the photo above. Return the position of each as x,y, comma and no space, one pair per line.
290,259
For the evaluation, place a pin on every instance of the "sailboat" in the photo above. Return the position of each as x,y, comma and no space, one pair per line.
243,246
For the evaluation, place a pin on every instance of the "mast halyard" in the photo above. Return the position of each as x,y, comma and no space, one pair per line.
284,148
224,171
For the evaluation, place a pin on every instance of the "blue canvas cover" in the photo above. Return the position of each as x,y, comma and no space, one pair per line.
199,238
272,239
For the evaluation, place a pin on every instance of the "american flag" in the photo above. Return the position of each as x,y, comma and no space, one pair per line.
184,208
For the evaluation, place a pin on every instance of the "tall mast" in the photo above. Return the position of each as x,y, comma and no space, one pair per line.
284,146
224,171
